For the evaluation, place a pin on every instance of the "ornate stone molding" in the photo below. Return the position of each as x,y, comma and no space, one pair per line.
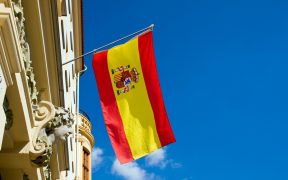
55,124
20,23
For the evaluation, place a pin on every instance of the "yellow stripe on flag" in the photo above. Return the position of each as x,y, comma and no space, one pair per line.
134,106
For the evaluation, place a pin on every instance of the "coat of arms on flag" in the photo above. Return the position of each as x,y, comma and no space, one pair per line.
131,98
124,79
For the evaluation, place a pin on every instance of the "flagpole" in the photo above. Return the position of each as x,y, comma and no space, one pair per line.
149,28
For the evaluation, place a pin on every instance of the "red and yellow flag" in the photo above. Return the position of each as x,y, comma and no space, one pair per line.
131,99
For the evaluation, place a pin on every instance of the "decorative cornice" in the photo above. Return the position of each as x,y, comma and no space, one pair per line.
85,129
85,123
88,135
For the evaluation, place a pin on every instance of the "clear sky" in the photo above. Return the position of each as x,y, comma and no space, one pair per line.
222,66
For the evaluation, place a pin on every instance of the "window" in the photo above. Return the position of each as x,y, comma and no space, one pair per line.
69,83
62,34
71,145
86,167
69,7
71,41
66,80
63,8
74,97
66,44
73,71
72,166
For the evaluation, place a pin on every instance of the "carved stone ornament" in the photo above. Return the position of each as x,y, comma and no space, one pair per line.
55,124
20,22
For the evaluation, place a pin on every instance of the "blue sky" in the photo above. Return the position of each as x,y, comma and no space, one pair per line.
222,66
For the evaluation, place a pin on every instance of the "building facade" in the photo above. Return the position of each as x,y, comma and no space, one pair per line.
39,119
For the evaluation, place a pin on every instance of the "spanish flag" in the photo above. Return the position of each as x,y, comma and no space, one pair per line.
131,99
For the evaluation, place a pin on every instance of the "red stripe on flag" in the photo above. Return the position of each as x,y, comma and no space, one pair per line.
110,110
146,51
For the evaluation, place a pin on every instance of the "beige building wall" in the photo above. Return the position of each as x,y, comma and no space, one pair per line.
38,116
